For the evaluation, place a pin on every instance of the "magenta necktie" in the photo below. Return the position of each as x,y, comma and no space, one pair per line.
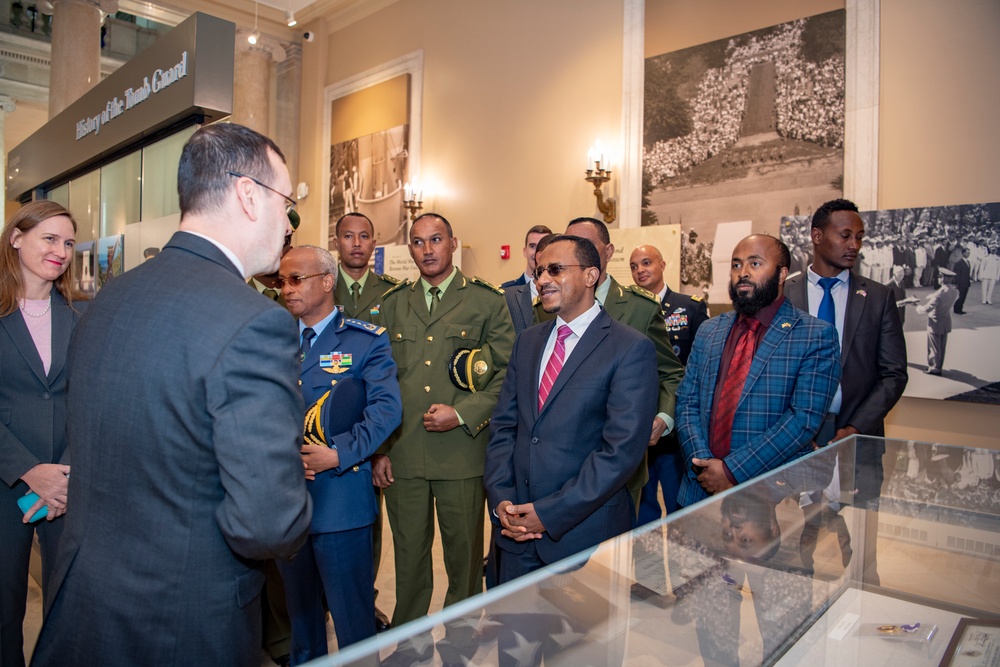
554,366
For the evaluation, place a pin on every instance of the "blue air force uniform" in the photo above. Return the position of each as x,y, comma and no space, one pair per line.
353,361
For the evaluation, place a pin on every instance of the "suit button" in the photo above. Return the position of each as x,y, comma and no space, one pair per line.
356,468
463,334
399,336
526,482
300,383
333,382
46,395
430,339
534,441
427,389
427,363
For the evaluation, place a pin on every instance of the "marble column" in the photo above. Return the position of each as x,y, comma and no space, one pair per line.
289,96
6,106
76,49
252,80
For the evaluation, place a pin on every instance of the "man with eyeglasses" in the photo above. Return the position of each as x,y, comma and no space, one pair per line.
359,295
348,379
451,338
186,465
639,309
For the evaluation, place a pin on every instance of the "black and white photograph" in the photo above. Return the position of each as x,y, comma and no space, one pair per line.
368,175
743,129
943,262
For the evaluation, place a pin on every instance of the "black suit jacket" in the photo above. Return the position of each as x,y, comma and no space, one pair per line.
185,420
872,355
573,459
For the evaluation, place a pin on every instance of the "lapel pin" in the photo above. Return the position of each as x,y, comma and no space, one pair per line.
861,292
786,325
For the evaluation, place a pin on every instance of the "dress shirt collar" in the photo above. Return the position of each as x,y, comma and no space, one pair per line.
230,255
443,287
321,325
348,281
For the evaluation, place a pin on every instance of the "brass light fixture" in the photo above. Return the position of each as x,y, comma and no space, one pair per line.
413,199
597,177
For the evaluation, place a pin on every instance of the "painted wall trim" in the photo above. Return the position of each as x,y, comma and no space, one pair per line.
861,110
633,72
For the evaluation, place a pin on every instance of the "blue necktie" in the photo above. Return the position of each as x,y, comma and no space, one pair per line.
307,335
827,311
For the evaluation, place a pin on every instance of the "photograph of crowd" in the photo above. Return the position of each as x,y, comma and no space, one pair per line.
744,128
944,263
367,175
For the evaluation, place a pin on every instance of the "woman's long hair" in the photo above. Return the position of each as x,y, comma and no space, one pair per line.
11,281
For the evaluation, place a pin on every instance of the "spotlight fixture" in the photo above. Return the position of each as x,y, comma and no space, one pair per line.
290,16
255,35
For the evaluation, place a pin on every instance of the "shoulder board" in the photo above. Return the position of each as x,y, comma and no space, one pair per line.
697,299
488,285
635,289
395,288
373,329
389,279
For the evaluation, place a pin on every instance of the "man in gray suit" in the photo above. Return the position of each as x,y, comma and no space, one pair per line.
185,432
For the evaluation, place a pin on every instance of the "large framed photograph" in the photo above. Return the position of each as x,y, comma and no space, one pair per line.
976,643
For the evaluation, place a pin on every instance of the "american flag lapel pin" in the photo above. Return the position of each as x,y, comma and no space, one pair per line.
861,292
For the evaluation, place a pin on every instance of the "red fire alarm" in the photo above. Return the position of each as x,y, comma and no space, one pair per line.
505,252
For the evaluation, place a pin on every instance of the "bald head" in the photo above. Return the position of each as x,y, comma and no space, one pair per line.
647,267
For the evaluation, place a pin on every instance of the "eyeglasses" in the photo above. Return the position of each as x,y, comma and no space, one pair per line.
553,269
295,281
290,203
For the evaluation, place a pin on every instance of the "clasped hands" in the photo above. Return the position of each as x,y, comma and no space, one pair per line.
51,482
520,522
713,476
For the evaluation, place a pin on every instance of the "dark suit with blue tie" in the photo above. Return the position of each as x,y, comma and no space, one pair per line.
352,360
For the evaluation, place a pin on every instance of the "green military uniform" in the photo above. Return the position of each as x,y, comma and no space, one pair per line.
445,469
366,308
373,286
640,309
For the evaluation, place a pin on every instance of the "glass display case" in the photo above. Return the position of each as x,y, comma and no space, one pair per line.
866,552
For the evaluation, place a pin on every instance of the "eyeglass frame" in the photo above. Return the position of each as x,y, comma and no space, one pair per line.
559,268
295,281
290,203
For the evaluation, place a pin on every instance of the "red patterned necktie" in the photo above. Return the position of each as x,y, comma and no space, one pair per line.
739,368
554,366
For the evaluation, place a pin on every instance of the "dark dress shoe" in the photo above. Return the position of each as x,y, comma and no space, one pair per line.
283,661
381,621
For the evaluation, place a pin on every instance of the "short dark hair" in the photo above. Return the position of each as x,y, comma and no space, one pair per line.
544,242
784,256
821,218
602,229
355,214
583,249
439,217
210,153
537,229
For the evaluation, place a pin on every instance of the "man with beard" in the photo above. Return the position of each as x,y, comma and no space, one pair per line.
758,381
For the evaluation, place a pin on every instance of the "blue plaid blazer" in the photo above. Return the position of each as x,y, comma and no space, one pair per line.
792,380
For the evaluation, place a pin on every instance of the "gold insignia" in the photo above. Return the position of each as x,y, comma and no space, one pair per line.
480,367
697,298
785,325
488,285
389,279
641,291
336,370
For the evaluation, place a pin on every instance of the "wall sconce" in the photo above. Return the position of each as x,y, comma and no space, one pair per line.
413,200
598,176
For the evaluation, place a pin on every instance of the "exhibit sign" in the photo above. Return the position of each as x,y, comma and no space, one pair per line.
187,72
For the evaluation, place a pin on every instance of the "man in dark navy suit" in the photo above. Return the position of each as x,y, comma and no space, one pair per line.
572,421
347,368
